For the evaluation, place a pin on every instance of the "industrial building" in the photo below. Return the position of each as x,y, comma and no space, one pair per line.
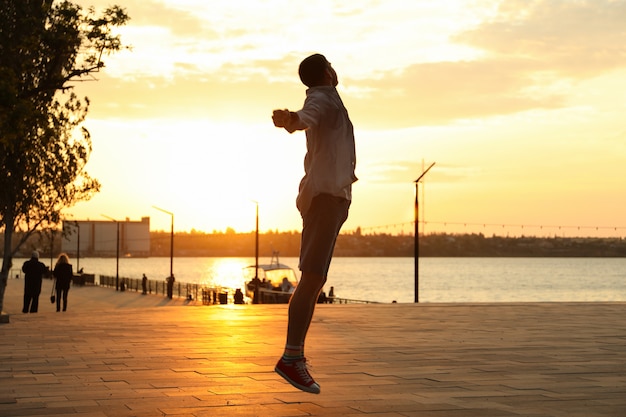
106,238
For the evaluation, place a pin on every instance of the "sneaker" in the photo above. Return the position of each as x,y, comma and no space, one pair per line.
297,374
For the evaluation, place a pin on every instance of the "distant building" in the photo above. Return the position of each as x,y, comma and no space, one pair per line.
99,237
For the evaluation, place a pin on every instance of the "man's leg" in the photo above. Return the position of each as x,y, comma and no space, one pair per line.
292,365
321,226
301,307
35,304
27,299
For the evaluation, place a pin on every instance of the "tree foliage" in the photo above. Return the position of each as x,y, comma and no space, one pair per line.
46,47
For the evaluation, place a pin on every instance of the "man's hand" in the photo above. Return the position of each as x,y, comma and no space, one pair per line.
281,118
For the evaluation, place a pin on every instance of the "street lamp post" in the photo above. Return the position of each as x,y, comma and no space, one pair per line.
117,253
416,254
255,297
171,239
256,245
51,248
77,246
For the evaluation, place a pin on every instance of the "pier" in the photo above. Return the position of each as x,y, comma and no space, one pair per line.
123,354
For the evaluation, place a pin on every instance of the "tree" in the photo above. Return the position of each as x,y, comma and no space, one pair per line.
46,47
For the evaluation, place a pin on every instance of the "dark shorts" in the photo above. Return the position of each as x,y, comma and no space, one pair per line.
322,223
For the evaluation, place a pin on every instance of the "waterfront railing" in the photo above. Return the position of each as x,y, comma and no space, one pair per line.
340,300
267,296
189,291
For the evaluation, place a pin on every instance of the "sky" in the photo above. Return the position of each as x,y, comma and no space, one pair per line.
520,104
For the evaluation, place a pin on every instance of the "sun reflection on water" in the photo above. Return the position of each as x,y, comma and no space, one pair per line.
225,272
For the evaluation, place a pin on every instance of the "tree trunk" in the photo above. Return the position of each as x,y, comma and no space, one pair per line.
7,258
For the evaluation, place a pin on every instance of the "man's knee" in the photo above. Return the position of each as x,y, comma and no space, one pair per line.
313,280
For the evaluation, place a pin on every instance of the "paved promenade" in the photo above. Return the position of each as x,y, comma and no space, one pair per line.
120,354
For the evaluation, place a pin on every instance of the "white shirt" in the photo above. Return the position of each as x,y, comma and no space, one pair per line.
331,158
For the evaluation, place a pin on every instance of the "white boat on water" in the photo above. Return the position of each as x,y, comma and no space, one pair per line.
270,283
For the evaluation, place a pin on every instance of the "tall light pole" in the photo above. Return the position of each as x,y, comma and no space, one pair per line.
117,253
171,239
51,248
77,246
416,254
256,245
255,296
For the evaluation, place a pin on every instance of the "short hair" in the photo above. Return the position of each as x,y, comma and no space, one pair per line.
312,70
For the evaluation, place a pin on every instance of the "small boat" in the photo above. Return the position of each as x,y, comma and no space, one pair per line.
270,283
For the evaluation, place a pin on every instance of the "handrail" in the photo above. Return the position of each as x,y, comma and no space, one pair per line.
340,300
208,295
274,294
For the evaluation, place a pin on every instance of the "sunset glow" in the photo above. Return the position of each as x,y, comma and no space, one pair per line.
519,103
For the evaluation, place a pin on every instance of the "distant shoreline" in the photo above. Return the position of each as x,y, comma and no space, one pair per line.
363,246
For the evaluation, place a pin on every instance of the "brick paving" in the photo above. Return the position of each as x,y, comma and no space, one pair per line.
123,354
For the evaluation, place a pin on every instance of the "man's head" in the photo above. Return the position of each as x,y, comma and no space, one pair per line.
315,70
34,255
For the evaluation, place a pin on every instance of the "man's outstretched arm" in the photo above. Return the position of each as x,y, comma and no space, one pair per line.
288,120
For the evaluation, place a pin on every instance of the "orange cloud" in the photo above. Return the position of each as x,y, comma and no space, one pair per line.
573,39
534,52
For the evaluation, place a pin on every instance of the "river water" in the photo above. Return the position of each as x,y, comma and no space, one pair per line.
393,279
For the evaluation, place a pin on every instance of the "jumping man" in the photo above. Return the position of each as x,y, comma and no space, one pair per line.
323,201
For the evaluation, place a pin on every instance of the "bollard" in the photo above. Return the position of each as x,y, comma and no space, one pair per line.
223,298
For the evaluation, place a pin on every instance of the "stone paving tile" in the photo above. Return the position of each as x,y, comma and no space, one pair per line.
123,354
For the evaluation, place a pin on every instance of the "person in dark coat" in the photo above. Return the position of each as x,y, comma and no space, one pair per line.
63,274
33,275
